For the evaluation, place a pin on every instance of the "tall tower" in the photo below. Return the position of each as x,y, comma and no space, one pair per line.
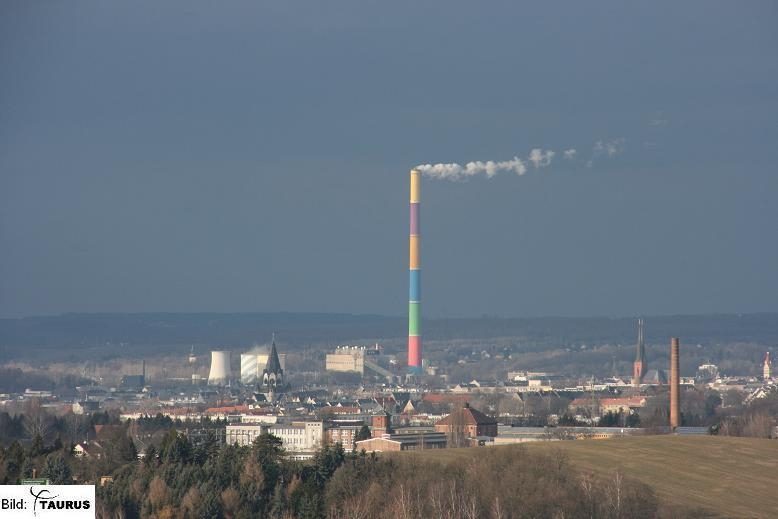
766,367
639,366
273,375
675,384
414,292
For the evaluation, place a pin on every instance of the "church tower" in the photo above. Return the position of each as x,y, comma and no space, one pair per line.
273,375
639,366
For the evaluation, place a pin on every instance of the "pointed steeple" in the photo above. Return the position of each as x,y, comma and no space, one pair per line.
639,366
273,375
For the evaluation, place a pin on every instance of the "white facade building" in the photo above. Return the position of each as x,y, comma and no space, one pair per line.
300,440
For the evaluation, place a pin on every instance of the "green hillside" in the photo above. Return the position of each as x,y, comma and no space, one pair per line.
735,477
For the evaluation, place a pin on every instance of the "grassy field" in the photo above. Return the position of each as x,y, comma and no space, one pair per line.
733,477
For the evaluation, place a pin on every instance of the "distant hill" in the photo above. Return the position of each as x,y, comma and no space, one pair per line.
729,477
78,333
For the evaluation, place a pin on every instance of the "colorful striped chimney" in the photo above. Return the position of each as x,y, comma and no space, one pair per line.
414,292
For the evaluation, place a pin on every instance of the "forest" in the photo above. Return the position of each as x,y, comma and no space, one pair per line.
209,481
179,479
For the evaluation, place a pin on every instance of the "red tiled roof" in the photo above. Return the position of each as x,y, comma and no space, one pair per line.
445,398
468,416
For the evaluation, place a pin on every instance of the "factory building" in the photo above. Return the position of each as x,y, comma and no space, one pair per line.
359,359
136,382
347,359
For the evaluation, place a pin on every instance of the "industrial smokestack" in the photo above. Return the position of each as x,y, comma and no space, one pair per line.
414,291
675,384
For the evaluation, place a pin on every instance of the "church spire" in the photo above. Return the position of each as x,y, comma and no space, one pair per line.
639,366
273,375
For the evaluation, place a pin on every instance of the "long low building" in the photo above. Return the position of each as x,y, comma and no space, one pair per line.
508,434
403,442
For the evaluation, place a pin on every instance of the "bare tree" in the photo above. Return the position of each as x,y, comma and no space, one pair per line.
37,421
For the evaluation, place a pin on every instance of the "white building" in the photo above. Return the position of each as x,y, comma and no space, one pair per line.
349,359
243,433
300,440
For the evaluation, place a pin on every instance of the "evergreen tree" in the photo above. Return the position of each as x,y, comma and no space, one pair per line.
36,447
150,458
211,507
278,503
175,448
57,470
27,469
14,458
57,445
363,434
125,449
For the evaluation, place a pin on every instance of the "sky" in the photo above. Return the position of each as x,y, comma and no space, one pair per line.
241,156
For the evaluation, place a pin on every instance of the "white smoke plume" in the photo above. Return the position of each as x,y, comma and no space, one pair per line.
541,158
538,158
609,148
453,171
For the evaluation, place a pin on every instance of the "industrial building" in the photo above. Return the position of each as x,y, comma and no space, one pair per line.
348,359
134,381
355,359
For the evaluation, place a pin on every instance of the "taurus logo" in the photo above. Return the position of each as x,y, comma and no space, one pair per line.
40,496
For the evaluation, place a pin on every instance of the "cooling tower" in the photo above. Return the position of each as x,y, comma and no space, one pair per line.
414,292
220,368
248,369
675,385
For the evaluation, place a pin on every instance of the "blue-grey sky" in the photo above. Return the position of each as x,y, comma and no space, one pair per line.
254,156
